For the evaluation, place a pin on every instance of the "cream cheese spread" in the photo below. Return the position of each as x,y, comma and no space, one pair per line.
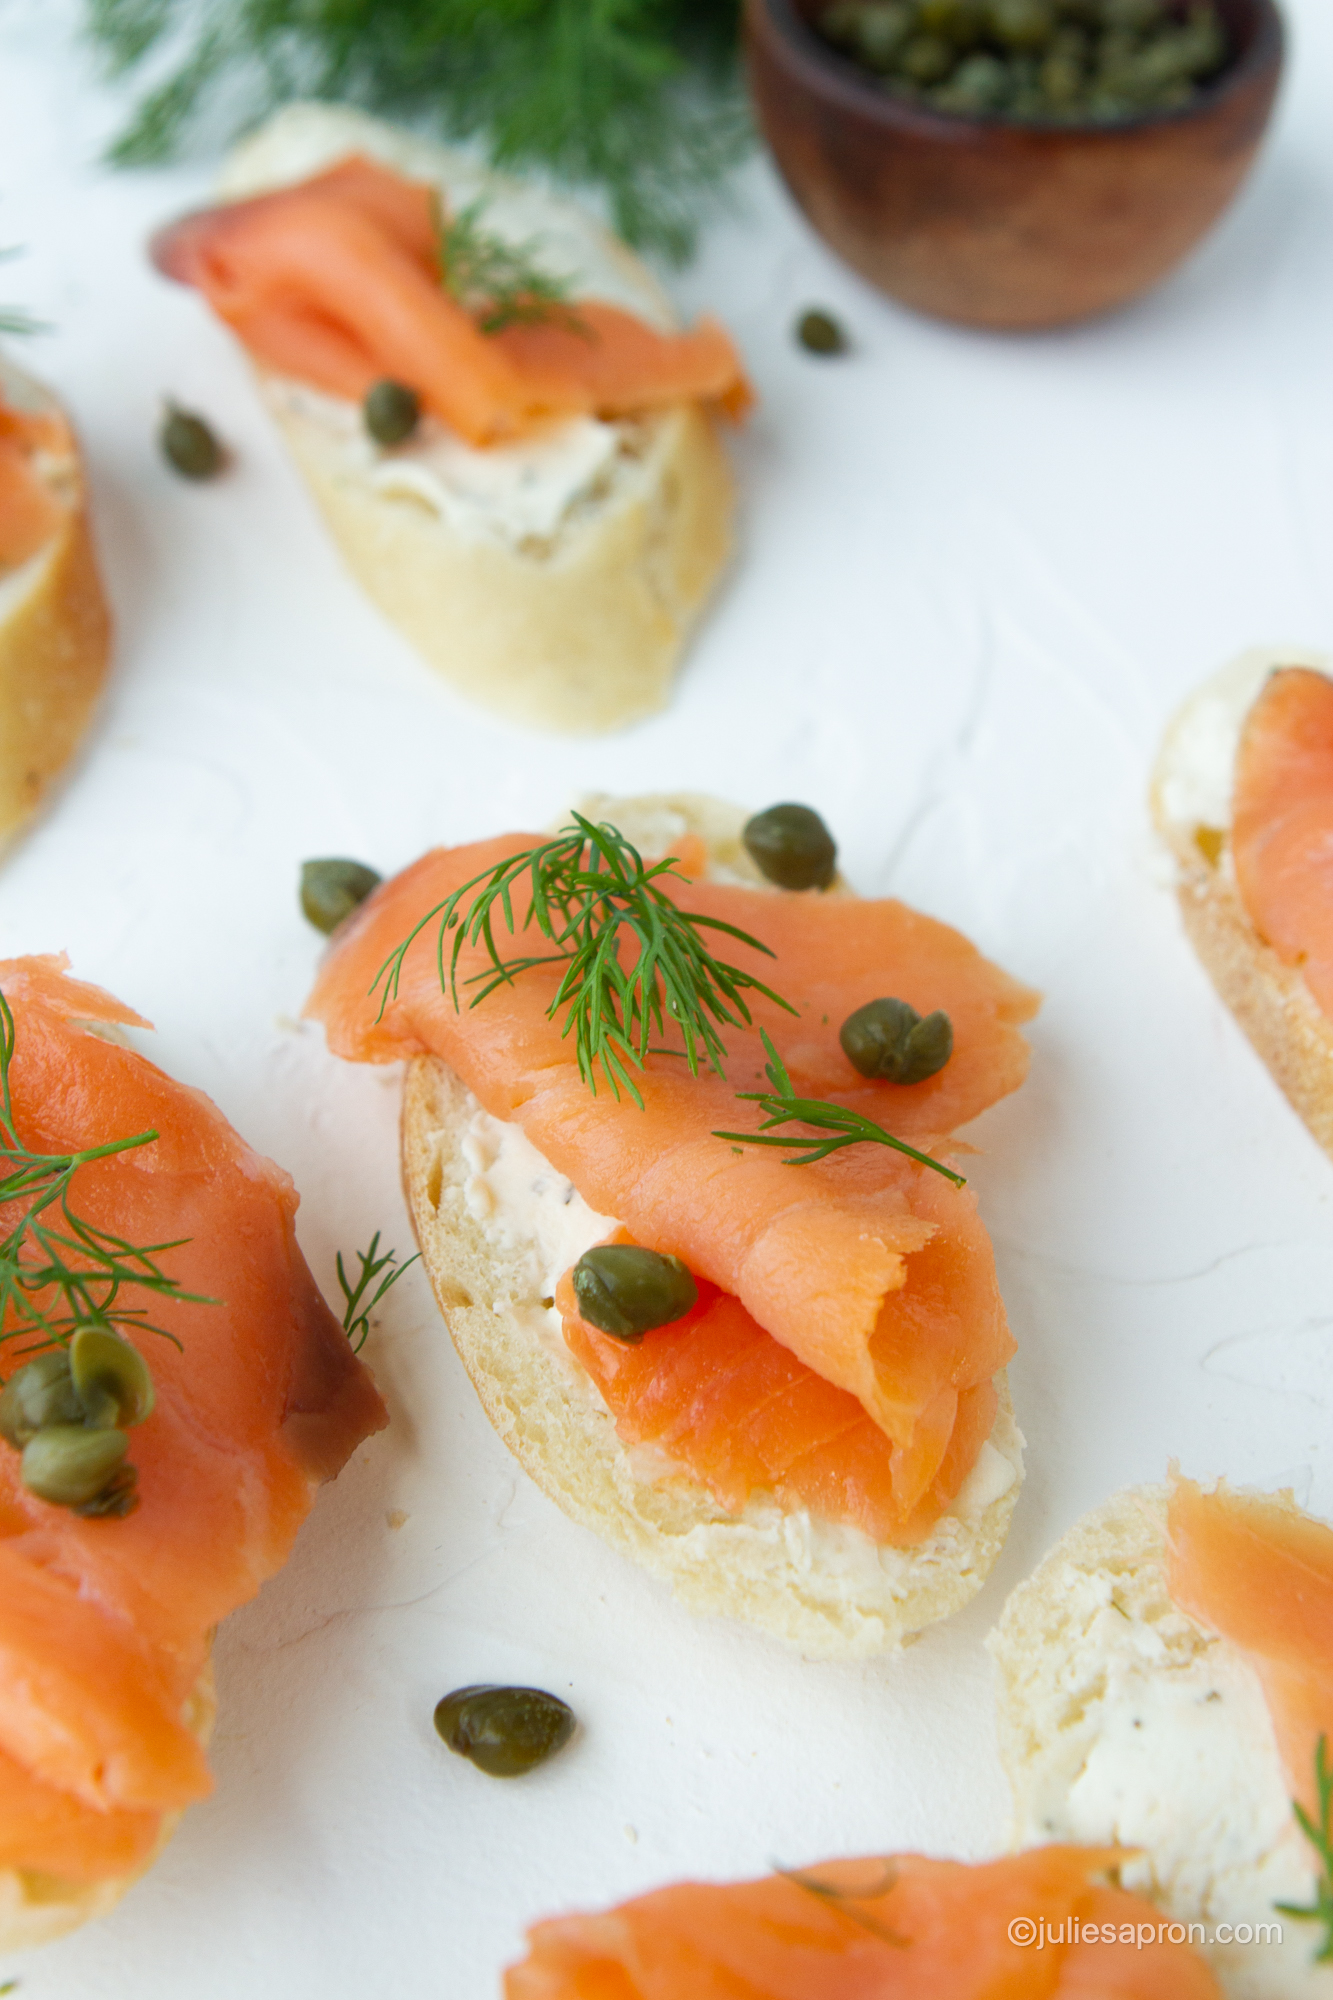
520,493
1198,760
536,1216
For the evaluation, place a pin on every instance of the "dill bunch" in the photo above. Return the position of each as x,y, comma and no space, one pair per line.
639,97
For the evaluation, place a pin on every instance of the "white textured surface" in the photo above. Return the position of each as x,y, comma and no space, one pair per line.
978,574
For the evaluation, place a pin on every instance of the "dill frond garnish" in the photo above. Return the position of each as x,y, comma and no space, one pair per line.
782,1106
1320,1837
640,97
356,1316
499,283
14,319
58,1277
588,888
844,1901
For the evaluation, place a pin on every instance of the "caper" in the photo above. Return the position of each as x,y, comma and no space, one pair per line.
881,32
190,445
391,411
926,59
331,889
791,845
120,1496
111,1377
819,333
626,1290
889,1039
504,1730
979,83
71,1465
1022,24
42,1393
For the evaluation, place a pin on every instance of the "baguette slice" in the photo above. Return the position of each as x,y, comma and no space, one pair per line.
555,582
37,1909
1123,1720
1191,806
55,635
821,1587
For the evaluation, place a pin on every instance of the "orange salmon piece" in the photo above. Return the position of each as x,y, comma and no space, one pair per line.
336,281
1260,1572
898,1927
1282,823
872,1270
105,1624
742,1415
44,1828
29,513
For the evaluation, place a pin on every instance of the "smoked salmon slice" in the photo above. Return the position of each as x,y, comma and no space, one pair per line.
1260,1571
29,511
871,1270
337,282
105,1624
896,1927
1282,823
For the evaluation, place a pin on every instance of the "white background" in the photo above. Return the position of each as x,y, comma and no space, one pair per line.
977,574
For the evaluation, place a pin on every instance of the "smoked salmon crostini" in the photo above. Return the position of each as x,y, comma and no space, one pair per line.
512,442
174,1391
55,630
1243,795
721,1287
1166,1685
1045,1925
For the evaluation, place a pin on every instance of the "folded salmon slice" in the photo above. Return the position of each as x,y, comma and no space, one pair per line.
1282,823
336,281
105,1625
29,512
1260,1572
896,1927
873,1271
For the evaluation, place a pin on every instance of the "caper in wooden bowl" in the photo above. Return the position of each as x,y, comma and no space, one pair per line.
1013,163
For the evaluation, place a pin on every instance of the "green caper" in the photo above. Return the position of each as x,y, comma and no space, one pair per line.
190,445
889,1039
42,1393
882,29
331,889
71,1465
391,411
819,333
926,59
1022,24
504,1731
112,1379
626,1290
791,845
120,1496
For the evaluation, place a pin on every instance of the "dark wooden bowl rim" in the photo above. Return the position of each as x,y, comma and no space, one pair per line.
846,82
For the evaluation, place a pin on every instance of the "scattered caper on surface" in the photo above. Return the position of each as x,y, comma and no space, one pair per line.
819,333
626,1290
791,846
504,1731
190,445
391,411
888,1039
332,888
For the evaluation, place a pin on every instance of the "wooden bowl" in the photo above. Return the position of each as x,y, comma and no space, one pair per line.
997,224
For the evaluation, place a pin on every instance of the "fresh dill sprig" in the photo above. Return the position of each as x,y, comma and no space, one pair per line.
844,1900
588,886
501,284
56,1279
1320,1837
640,97
357,1322
14,319
845,1128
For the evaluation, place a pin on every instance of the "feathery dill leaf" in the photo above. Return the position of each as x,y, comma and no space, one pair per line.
58,1276
356,1323
846,1901
639,97
588,886
845,1128
500,283
14,319
1320,1837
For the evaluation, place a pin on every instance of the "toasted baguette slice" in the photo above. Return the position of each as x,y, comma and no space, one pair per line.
37,1909
1191,805
1122,1720
566,613
55,636
826,1589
